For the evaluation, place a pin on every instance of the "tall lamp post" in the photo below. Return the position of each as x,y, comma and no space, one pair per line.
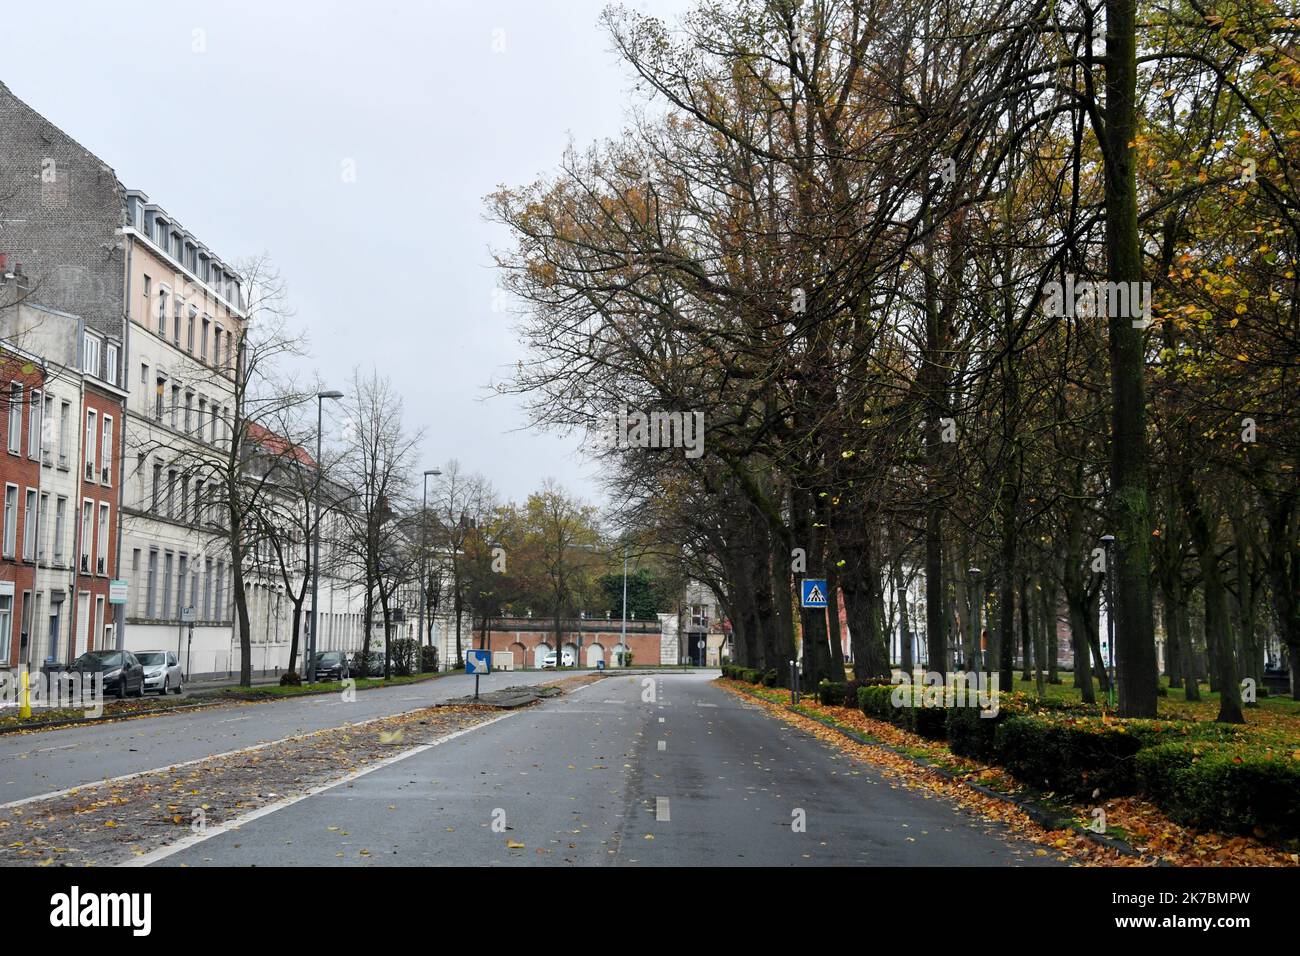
623,633
315,534
1108,542
424,548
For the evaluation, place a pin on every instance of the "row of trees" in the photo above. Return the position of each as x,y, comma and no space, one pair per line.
1006,285
448,546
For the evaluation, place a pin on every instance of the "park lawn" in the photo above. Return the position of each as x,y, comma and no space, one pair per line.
1275,718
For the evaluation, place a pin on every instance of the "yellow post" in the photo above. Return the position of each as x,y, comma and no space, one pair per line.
25,710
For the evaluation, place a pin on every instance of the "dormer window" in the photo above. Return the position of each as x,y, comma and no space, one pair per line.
90,355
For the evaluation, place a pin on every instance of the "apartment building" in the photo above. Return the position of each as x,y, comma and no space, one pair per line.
59,471
185,313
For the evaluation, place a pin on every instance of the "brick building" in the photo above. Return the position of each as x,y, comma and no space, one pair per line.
527,640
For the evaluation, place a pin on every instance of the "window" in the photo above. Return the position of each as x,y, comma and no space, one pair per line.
92,434
151,584
162,312
189,408
148,297
47,429
34,427
29,526
87,531
157,486
185,498
60,527
41,549
198,502
10,520
106,453
203,414
176,404
6,624
194,586
216,347
167,586
171,493
159,397
207,589
101,548
203,341
181,576
220,609
90,355
65,432
110,364
189,342
139,479
179,304
16,417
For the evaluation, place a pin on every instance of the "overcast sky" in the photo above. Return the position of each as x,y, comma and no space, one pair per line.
238,117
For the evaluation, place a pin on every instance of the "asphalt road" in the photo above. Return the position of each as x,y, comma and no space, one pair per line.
33,764
603,777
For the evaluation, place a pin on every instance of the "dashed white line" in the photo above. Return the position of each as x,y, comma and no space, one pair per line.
661,810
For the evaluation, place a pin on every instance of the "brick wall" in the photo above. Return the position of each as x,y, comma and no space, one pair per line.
60,207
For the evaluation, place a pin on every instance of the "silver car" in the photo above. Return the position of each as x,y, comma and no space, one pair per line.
162,671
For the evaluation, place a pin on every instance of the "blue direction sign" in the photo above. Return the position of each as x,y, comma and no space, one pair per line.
813,592
478,662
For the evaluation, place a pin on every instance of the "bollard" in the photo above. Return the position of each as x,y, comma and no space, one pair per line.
26,709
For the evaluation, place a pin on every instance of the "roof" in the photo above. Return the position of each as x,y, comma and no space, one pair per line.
278,445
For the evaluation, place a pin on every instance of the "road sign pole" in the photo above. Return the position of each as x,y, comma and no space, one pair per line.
476,687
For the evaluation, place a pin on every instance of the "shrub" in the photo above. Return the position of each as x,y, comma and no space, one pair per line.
1225,787
403,652
831,693
771,677
1070,757
428,660
290,679
1078,755
874,701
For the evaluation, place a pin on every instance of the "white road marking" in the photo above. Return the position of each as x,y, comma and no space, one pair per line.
234,720
45,750
661,810
171,849
663,745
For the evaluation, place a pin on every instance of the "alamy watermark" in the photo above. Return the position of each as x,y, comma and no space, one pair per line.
633,428
56,690
933,690
1088,299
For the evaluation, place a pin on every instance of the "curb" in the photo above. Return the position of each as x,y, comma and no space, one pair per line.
197,705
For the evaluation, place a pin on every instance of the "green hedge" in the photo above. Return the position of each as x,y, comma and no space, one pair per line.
1082,755
1224,787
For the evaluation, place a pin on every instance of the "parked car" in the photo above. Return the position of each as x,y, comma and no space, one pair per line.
122,673
162,671
331,665
549,659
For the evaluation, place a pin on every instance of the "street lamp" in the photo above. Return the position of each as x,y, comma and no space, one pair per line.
315,557
1108,542
977,649
424,569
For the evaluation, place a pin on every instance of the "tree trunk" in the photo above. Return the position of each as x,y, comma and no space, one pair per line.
1130,509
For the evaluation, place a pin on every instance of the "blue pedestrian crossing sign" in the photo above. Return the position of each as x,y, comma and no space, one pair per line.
478,662
813,592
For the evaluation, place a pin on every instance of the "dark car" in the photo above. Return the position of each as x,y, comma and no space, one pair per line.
331,665
122,672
